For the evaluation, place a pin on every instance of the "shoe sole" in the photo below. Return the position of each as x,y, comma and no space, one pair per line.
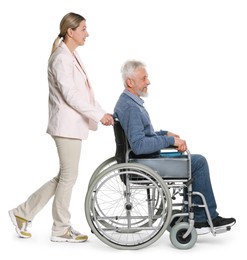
206,230
203,231
13,219
225,226
61,239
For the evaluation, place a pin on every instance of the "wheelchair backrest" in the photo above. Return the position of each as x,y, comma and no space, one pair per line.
122,144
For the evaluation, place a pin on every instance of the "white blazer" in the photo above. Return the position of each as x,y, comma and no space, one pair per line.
73,110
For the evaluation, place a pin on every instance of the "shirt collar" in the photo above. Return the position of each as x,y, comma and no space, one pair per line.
137,99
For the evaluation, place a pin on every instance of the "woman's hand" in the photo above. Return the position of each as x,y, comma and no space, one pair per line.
107,120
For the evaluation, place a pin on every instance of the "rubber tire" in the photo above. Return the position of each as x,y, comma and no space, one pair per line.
178,231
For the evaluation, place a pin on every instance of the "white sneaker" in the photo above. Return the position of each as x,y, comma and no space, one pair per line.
203,230
21,225
71,236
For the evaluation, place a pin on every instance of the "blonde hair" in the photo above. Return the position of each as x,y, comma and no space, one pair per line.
70,20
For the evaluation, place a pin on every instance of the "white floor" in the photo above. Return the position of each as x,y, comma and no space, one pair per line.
207,246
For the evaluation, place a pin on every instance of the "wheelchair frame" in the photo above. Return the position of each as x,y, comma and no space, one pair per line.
129,204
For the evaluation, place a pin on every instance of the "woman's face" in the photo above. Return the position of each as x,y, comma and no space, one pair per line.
80,34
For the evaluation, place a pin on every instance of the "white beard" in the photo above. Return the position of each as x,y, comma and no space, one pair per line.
142,94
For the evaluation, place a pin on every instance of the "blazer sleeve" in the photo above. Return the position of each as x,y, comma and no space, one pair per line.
74,91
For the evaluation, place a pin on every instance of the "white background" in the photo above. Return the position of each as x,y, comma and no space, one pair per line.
195,53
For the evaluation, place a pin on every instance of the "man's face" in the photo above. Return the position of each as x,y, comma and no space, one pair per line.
138,83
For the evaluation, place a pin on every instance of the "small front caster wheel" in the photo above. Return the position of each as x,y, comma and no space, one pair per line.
176,236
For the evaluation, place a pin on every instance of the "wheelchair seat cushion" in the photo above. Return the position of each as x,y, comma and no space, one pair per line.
176,167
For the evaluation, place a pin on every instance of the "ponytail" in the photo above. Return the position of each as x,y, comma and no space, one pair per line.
56,43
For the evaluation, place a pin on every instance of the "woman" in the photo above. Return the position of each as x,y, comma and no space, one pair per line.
73,111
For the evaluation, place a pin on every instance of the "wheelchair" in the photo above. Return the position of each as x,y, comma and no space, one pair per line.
131,202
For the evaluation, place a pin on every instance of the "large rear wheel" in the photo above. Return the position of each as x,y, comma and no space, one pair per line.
128,206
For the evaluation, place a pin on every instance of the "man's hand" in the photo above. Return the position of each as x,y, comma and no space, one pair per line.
172,134
180,144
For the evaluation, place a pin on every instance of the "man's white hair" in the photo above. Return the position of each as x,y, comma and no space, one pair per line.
128,69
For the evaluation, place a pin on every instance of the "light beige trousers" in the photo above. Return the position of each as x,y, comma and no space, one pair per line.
60,187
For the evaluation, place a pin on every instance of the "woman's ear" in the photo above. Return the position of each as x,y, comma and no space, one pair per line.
70,32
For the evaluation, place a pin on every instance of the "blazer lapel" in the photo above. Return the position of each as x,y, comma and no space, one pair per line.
78,64
82,69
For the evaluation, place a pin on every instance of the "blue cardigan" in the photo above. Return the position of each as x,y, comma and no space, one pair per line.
137,126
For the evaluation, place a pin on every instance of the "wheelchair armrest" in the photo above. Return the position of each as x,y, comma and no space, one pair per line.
172,151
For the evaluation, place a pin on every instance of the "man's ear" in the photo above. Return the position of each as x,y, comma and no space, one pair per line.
129,83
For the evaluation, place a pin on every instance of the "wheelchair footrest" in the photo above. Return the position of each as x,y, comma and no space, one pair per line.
222,229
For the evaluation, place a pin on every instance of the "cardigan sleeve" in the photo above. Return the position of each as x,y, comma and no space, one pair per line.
140,142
